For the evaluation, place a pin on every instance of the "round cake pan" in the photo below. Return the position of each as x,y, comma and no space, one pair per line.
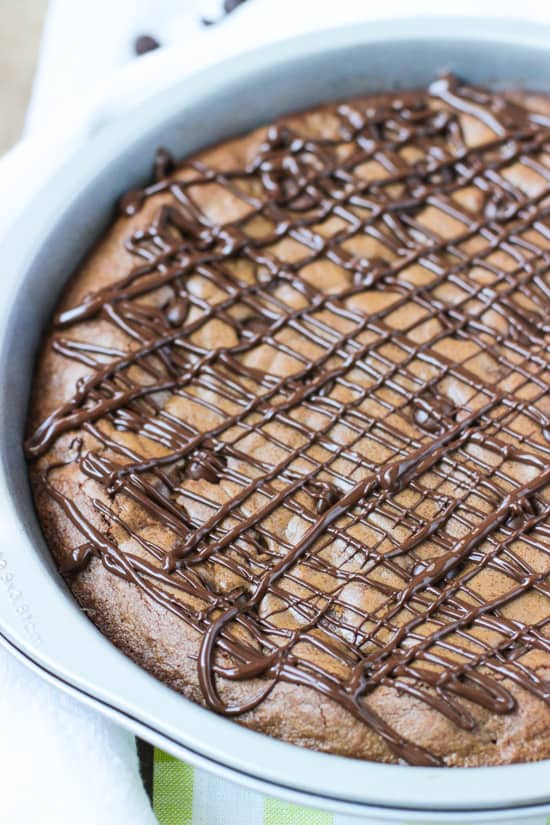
39,619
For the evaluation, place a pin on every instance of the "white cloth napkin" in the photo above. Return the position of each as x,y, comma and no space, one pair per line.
60,762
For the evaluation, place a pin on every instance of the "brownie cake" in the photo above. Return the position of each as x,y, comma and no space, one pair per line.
290,432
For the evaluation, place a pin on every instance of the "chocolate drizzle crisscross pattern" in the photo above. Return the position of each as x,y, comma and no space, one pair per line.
333,407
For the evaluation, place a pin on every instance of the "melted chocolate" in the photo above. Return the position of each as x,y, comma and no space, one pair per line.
205,465
433,414
381,478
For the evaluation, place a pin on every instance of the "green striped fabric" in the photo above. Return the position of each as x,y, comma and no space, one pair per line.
174,802
185,796
172,790
283,813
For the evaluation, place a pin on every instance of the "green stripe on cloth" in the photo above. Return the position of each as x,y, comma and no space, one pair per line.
173,785
283,813
172,790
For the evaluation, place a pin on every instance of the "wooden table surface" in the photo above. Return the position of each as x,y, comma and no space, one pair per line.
21,24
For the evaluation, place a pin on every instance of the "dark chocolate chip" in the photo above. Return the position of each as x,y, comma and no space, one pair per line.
433,420
145,43
231,5
453,573
260,544
327,388
228,7
515,521
164,164
176,312
256,325
324,494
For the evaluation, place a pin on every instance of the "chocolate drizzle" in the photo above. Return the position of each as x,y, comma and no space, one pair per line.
206,465
433,414
386,433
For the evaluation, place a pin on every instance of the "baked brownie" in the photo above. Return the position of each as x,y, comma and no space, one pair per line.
290,427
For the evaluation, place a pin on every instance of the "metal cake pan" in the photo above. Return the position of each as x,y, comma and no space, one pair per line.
39,620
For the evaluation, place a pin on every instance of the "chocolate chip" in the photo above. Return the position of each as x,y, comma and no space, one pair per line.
231,5
518,335
238,596
256,325
164,164
369,271
176,312
423,420
228,7
433,420
324,494
500,206
131,202
260,544
453,573
515,521
145,43
327,388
